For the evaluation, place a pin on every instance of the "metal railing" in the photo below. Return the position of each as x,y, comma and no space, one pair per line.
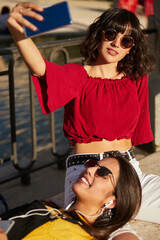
53,47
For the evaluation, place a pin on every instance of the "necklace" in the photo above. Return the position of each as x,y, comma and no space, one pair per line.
90,216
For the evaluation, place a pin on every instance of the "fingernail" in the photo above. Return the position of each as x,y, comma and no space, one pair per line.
41,18
35,28
41,9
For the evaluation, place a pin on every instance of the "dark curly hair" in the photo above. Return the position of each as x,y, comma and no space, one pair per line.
139,61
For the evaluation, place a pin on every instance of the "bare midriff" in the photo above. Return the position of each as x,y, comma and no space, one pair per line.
102,146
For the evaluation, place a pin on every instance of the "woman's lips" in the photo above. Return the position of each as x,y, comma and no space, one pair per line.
112,51
85,181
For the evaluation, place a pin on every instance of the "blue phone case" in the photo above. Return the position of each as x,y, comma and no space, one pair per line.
55,16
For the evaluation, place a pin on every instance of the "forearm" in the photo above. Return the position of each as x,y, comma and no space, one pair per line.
26,46
31,56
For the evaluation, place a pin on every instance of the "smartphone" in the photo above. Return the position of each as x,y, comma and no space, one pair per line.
6,225
55,16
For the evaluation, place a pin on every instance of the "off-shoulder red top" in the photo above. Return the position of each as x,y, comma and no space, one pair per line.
96,108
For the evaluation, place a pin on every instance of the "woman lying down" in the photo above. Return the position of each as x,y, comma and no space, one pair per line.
108,195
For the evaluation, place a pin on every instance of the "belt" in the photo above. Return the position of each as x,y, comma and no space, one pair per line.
80,159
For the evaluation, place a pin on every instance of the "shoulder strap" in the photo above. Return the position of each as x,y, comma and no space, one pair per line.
24,226
72,220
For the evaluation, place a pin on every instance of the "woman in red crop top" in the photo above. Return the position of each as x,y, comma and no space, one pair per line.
106,101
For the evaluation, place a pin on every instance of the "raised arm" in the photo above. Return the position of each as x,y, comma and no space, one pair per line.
26,47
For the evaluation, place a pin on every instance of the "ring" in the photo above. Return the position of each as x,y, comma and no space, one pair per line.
20,10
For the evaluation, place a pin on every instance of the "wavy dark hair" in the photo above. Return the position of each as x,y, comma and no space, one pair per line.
128,193
139,61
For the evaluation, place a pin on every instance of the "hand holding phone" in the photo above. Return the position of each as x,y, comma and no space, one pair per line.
55,16
16,20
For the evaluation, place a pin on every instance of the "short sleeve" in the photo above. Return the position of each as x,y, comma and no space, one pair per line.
61,84
143,133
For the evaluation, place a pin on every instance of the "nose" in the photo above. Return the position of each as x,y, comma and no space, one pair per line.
116,42
92,170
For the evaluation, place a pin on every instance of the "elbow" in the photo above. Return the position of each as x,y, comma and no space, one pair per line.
40,75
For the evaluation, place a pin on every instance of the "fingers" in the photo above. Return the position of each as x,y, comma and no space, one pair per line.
16,19
28,5
16,23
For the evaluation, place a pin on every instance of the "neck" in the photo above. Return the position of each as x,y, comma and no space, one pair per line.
103,70
89,212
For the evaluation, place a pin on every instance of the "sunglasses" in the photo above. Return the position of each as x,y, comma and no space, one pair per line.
101,171
126,41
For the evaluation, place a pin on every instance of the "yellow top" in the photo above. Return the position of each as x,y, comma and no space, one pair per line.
58,229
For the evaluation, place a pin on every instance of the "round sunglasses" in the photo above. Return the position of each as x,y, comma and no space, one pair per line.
126,41
101,171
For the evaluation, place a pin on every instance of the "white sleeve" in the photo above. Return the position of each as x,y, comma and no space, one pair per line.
125,229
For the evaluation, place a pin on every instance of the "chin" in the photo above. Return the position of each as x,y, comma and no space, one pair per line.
78,190
75,188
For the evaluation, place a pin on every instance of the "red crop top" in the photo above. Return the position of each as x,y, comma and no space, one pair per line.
96,108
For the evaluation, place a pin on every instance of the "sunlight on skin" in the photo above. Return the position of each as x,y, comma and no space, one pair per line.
3,236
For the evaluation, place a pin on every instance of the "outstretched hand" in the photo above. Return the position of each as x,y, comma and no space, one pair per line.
16,21
28,50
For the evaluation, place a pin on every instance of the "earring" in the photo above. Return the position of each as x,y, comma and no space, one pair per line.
107,214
